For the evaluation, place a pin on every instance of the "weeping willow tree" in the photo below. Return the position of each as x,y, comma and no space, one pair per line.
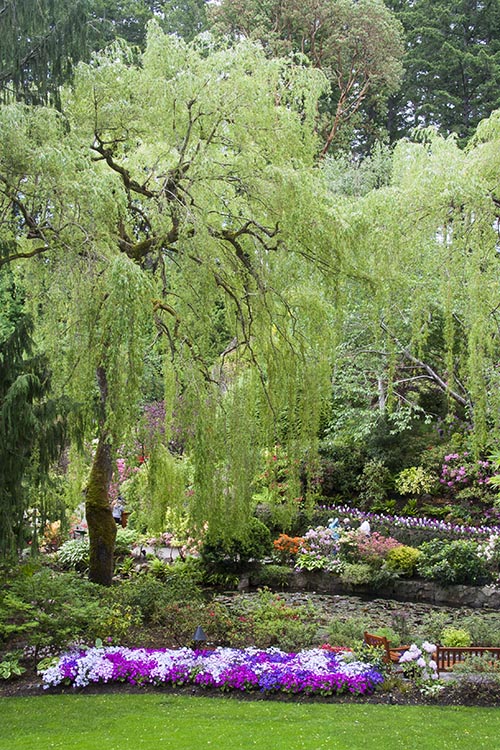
182,191
428,246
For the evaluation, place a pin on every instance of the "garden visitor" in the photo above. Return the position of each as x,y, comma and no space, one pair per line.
117,509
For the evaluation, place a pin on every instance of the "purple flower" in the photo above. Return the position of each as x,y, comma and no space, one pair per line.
271,670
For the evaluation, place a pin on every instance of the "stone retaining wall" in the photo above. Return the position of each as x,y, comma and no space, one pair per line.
476,597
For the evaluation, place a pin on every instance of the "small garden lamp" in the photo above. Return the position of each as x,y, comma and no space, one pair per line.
199,637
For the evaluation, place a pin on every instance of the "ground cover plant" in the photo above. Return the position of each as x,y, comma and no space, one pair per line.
173,722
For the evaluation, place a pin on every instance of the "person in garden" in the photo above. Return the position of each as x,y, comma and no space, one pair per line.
117,509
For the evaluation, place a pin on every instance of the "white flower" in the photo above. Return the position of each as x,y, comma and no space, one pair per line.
406,656
428,647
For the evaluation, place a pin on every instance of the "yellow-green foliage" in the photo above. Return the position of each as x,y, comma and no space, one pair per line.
403,560
414,481
457,637
156,494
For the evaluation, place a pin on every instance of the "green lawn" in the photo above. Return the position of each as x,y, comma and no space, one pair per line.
155,721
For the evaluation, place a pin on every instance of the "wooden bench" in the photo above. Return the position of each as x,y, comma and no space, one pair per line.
391,654
447,656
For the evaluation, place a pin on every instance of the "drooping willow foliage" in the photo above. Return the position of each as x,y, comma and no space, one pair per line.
177,206
429,243
183,190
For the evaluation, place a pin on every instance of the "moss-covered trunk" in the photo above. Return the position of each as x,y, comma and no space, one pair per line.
100,521
101,524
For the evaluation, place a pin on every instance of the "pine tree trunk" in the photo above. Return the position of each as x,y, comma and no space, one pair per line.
100,521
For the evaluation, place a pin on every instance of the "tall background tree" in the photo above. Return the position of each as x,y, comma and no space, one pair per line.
452,66
428,245
358,45
32,423
42,41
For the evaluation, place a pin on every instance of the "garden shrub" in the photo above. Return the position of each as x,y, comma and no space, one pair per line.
286,547
400,622
184,579
452,562
146,595
374,484
319,550
484,628
356,574
149,596
275,623
433,624
349,633
286,634
341,467
373,549
455,637
232,555
403,560
389,633
180,620
363,574
74,554
459,469
415,481
48,610
272,576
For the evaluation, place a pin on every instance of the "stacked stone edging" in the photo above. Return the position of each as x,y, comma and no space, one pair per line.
414,590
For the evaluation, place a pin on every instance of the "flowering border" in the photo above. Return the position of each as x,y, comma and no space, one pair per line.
412,522
309,672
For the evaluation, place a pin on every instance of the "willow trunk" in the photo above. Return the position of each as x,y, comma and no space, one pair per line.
100,521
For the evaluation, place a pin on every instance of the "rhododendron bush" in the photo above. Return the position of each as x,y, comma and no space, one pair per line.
315,671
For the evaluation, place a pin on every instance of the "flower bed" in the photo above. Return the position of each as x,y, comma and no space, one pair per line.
433,525
315,671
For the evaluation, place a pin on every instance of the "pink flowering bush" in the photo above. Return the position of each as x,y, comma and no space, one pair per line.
319,550
374,548
461,469
371,549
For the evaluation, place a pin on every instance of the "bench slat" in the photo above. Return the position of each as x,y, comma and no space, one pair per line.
447,656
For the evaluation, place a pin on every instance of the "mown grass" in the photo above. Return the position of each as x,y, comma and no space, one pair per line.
152,721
